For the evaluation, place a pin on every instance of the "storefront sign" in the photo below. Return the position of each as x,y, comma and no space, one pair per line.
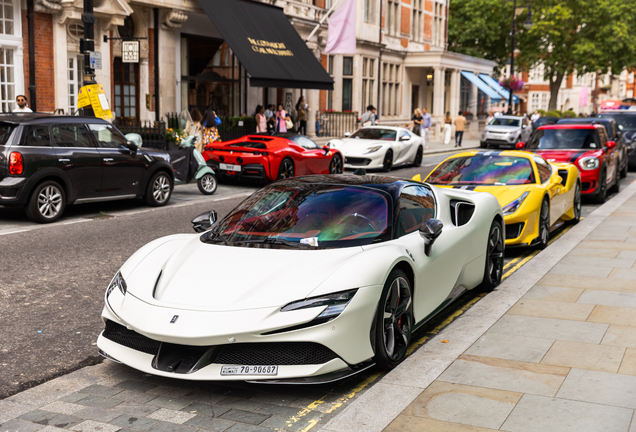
95,96
130,52
96,60
273,48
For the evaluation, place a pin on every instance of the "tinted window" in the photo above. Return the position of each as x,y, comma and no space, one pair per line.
607,125
375,134
483,170
505,122
416,206
304,142
626,121
5,132
107,136
405,134
544,169
71,136
36,136
565,139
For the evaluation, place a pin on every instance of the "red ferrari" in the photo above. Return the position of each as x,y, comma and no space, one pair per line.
269,156
588,147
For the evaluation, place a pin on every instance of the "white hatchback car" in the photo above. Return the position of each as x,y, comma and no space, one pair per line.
505,132
380,147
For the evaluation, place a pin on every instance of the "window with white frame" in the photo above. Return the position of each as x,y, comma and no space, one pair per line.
330,61
369,11
72,84
368,81
7,79
534,102
393,16
391,79
417,21
438,24
6,17
544,101
347,83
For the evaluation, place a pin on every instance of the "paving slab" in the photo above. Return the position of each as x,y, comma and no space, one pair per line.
538,413
620,335
509,347
581,270
588,282
407,423
172,416
628,365
20,426
600,388
209,423
613,315
553,293
551,309
600,253
549,328
608,298
134,422
94,426
602,358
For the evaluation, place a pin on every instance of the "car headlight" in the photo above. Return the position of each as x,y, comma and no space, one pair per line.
514,206
373,149
589,163
336,304
117,282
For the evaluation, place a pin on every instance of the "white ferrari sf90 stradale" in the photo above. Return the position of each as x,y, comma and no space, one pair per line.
308,280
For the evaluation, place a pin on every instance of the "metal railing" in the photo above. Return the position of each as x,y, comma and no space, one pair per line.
153,134
336,124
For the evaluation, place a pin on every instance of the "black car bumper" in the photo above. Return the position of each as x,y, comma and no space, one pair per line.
248,171
498,144
12,191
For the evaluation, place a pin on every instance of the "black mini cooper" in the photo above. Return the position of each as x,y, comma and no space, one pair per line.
47,162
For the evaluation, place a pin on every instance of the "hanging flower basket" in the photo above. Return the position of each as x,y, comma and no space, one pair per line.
512,83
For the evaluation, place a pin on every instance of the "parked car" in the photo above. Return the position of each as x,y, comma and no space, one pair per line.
505,132
536,196
613,133
627,124
380,147
48,162
585,145
315,279
271,156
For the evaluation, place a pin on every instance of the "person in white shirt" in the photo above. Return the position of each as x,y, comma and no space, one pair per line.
536,116
21,100
498,114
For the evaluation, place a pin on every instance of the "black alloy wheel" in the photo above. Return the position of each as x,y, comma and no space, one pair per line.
576,204
394,321
388,161
601,195
47,202
616,187
159,190
286,169
207,184
544,224
495,248
417,162
335,166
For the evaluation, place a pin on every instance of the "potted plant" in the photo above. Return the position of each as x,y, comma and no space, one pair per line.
512,83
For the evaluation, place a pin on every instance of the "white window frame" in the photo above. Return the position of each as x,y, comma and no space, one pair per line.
14,42
369,11
417,21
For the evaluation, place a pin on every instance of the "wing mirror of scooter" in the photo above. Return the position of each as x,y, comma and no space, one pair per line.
429,231
132,147
204,221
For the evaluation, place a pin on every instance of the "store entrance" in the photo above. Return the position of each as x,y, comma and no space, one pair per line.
126,80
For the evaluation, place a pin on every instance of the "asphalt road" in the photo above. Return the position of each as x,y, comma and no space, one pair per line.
52,278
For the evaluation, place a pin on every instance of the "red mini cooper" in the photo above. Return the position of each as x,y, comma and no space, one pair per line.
587,147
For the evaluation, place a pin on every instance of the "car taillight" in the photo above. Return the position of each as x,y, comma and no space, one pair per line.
16,165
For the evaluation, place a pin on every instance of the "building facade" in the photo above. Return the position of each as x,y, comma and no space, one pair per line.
400,63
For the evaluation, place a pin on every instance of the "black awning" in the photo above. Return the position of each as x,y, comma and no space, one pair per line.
267,44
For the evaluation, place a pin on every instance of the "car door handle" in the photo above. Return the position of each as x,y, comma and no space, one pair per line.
64,160
108,159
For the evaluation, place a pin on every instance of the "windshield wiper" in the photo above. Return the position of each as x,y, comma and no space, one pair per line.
274,241
218,236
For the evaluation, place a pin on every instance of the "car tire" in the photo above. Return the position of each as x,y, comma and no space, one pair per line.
47,202
495,249
207,184
417,162
625,169
393,321
482,144
576,204
336,166
286,169
544,224
387,164
601,195
616,187
158,190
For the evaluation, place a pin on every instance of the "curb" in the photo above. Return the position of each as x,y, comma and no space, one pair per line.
381,404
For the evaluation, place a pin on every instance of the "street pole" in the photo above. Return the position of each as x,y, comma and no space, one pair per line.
88,46
31,32
512,55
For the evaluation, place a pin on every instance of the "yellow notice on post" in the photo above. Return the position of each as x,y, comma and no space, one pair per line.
95,96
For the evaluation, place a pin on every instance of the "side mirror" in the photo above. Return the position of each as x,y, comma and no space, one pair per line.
429,231
520,145
347,134
204,221
611,144
132,147
523,126
558,179
327,149
404,138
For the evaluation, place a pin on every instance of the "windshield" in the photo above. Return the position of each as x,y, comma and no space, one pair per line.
626,121
564,139
483,170
375,134
312,214
504,122
606,124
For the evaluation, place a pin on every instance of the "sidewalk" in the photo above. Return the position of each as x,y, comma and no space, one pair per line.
435,146
552,349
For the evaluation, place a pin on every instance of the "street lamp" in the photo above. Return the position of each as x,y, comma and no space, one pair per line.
527,25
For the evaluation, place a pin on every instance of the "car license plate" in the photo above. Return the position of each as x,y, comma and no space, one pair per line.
229,167
249,370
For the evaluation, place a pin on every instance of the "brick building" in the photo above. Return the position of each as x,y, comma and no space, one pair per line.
401,60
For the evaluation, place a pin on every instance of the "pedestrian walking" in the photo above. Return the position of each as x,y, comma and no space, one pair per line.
416,122
460,124
425,129
261,121
210,122
21,101
196,128
302,109
490,117
281,125
318,124
447,128
369,118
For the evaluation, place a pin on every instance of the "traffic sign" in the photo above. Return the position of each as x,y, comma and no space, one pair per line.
96,60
